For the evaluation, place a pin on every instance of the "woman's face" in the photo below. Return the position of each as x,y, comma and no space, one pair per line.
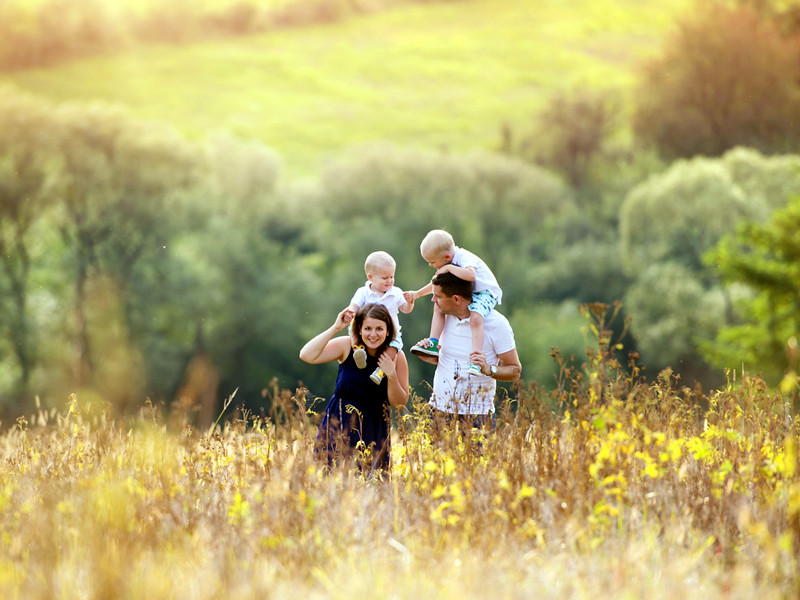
373,333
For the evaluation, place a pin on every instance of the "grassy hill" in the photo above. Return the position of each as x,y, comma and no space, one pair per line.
443,75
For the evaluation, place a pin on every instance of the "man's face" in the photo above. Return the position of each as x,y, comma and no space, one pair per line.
446,304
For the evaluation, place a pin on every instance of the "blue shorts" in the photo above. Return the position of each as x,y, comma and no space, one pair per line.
482,303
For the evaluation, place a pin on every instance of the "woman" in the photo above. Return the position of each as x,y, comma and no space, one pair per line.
358,411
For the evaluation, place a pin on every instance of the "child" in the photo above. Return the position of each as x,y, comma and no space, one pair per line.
439,249
380,289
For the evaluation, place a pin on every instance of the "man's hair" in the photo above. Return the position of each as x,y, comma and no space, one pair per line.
373,311
452,285
378,260
437,243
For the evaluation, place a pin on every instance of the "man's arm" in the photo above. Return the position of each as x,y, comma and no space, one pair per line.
509,368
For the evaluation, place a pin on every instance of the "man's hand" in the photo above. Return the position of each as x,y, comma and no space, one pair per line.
425,343
479,358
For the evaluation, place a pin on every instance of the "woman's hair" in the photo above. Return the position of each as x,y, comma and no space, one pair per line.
437,243
373,311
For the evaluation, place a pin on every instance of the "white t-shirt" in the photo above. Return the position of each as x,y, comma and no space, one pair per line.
484,278
392,300
454,389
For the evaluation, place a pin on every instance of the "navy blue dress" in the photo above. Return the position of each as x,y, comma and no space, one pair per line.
342,427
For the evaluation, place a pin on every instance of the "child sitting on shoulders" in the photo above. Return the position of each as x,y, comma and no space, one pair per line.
441,252
380,289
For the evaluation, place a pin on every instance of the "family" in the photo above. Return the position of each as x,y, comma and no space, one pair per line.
471,344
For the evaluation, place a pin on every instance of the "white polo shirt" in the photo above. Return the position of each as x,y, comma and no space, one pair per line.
484,278
454,389
392,300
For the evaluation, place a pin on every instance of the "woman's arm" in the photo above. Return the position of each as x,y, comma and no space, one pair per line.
396,372
323,348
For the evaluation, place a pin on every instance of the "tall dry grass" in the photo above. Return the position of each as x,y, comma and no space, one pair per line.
608,487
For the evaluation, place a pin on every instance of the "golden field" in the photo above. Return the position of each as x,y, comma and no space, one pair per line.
607,487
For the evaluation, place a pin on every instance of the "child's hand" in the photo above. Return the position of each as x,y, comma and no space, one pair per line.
445,269
410,297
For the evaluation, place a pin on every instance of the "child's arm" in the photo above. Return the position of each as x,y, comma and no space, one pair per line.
412,296
408,305
465,273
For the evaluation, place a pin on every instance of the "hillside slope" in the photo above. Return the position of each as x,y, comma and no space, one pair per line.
443,75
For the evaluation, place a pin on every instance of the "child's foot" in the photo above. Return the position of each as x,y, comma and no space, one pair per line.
376,376
360,356
474,369
432,349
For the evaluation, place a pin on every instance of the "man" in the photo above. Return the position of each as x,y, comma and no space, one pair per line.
455,390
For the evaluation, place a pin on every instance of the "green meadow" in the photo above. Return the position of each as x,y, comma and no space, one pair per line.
444,75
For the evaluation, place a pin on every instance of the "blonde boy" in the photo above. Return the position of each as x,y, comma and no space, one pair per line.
380,289
441,252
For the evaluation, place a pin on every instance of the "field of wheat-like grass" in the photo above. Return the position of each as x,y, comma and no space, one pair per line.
607,487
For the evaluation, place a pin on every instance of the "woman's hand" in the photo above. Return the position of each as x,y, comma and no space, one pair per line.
396,372
343,319
387,364
323,347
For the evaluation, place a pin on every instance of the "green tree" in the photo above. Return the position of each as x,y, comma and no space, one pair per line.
28,183
122,184
246,277
571,134
725,78
764,257
679,214
673,310
669,222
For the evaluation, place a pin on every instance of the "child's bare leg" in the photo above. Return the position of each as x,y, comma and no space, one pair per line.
476,327
437,323
430,346
391,352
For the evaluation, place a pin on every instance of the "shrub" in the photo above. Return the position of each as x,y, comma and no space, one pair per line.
725,78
